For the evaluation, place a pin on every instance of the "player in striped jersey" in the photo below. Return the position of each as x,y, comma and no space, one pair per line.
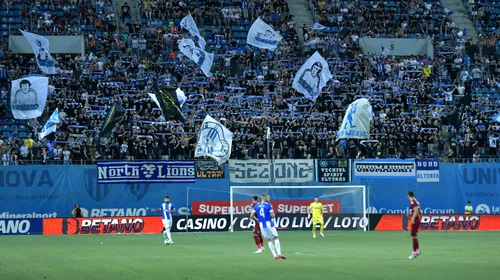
166,210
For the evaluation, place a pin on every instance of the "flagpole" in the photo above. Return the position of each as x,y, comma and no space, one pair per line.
269,154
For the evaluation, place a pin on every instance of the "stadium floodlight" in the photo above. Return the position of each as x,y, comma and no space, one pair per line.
340,201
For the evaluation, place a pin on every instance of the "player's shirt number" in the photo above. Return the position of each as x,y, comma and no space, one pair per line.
261,213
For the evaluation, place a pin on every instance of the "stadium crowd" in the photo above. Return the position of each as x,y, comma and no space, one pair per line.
420,103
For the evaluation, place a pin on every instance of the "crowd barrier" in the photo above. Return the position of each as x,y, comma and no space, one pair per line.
42,192
223,223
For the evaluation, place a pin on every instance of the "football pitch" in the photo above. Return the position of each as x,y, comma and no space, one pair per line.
340,255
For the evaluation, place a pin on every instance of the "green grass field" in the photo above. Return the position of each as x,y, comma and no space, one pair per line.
341,255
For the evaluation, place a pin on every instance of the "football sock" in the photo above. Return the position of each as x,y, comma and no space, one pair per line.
415,244
261,241
278,246
164,233
314,229
271,247
169,236
257,241
322,226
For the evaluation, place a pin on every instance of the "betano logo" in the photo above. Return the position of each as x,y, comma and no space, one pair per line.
373,210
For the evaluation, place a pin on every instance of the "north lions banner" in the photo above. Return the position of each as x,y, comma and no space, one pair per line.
357,118
278,171
28,97
384,168
188,23
40,46
263,36
214,141
427,170
312,77
199,56
146,172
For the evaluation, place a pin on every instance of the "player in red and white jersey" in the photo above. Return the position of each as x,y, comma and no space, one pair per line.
414,215
257,234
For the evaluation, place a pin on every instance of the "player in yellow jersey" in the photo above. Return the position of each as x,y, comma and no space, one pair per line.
317,214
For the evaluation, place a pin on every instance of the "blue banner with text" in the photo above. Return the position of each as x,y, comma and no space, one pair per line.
146,172
21,226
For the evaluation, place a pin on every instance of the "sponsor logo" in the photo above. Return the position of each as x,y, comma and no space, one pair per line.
482,194
483,209
481,175
244,207
138,191
373,210
97,191
14,226
7,215
33,178
146,172
242,222
114,212
261,171
108,226
450,222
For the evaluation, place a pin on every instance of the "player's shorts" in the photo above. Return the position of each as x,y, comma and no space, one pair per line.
318,220
269,233
414,228
256,228
167,224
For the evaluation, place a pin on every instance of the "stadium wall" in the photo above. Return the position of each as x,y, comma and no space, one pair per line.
51,192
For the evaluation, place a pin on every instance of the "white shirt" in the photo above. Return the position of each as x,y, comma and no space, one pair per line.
124,148
66,154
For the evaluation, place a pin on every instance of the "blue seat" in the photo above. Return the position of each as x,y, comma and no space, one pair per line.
23,135
22,128
90,27
6,135
13,127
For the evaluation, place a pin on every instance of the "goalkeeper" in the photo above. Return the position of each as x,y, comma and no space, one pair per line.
317,214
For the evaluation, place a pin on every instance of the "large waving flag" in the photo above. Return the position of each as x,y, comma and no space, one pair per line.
263,36
28,97
168,102
312,77
40,46
496,118
214,141
188,23
51,125
356,123
115,116
318,26
199,56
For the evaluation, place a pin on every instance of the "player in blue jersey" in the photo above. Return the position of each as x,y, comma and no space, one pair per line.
265,214
166,210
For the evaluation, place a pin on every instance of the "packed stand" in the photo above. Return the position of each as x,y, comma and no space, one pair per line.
250,90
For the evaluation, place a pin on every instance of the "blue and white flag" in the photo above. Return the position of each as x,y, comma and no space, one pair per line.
51,125
318,26
496,118
263,36
356,123
188,23
28,97
181,97
312,77
199,56
214,141
40,46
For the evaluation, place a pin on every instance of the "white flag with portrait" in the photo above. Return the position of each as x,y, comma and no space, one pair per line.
312,77
214,141
40,46
199,56
28,97
188,23
263,36
357,118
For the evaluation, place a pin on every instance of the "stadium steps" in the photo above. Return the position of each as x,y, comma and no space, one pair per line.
461,18
302,14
